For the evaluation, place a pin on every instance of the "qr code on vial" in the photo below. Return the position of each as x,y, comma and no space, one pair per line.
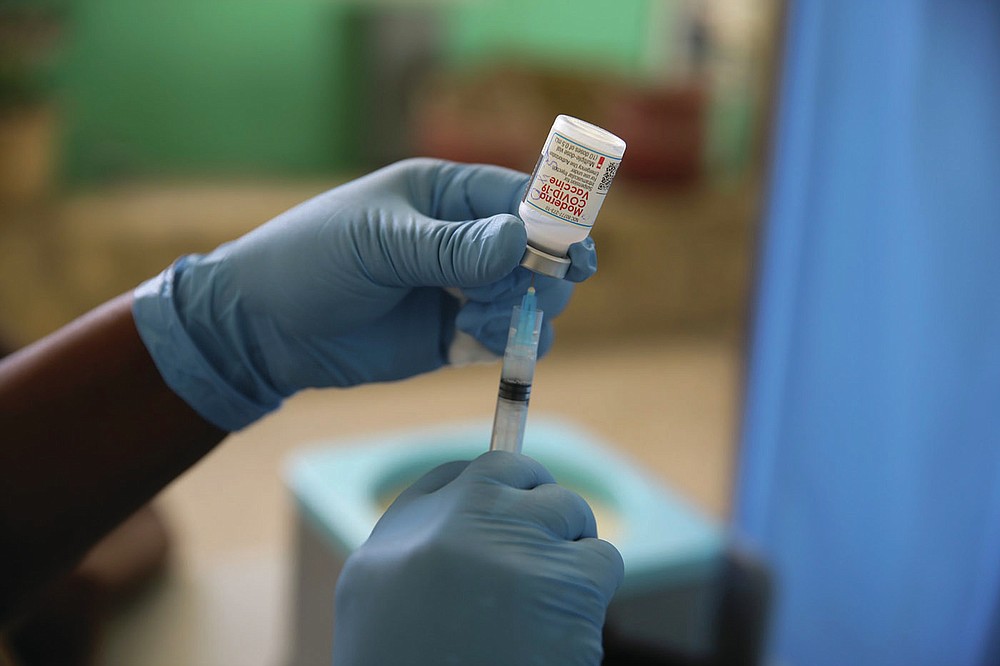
609,175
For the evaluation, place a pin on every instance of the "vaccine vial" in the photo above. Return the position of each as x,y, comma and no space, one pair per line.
573,176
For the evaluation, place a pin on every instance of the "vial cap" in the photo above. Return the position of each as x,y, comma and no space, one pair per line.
544,263
594,137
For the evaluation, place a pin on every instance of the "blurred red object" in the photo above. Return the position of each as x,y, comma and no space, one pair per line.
495,116
665,130
501,116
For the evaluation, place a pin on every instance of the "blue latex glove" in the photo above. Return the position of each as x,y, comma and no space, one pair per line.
347,288
483,563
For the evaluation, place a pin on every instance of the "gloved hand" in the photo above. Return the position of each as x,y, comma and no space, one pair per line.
483,563
347,288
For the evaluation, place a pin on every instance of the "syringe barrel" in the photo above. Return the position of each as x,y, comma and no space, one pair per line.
516,377
508,425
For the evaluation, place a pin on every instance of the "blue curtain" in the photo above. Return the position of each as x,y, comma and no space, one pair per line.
870,463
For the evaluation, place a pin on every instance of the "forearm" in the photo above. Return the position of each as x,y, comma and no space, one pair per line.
90,432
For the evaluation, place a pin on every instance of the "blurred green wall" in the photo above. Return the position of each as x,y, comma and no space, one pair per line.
265,86
610,36
193,85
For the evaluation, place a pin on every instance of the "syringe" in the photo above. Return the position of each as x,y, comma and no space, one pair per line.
516,375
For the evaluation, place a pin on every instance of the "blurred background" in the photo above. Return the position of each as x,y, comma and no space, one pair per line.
134,132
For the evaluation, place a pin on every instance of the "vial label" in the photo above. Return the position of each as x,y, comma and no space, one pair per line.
570,181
